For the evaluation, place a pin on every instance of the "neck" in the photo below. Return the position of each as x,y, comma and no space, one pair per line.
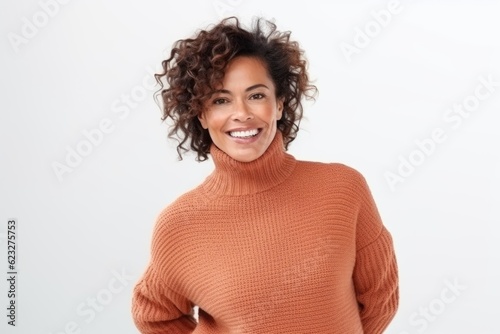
232,177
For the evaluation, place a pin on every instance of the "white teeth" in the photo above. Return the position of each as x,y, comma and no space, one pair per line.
244,134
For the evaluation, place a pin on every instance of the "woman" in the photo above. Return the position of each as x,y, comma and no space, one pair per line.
267,243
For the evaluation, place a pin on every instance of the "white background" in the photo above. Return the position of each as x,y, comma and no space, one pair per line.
77,232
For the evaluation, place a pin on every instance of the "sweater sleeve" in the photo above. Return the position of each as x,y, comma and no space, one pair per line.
157,310
375,273
156,307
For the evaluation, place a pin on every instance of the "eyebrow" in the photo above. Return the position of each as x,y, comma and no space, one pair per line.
225,91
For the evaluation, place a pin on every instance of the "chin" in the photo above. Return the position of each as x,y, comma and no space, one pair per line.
246,157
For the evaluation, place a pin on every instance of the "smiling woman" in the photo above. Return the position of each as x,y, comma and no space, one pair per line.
197,69
267,243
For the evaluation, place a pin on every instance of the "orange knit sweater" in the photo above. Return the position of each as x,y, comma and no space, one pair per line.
275,245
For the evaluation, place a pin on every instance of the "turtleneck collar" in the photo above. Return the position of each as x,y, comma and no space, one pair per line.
232,177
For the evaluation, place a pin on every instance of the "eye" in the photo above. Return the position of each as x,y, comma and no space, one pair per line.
257,96
219,100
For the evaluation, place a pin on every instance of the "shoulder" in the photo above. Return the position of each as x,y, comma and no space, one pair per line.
331,172
173,218
331,179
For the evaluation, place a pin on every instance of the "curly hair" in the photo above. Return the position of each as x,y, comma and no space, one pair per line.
196,66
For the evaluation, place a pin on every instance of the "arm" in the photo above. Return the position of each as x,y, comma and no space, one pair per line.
157,307
375,273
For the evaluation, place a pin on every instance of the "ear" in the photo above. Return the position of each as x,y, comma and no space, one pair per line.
203,121
280,103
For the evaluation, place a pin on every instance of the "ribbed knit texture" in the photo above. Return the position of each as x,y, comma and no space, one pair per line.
274,245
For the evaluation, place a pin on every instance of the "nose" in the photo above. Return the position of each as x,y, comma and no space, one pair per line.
242,112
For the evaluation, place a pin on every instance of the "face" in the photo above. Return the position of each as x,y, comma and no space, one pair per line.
241,115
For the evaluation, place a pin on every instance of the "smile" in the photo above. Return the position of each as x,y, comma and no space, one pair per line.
244,134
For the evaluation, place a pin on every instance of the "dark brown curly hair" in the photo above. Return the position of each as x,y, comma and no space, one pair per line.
196,66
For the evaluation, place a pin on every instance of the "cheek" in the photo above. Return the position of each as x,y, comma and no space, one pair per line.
215,121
